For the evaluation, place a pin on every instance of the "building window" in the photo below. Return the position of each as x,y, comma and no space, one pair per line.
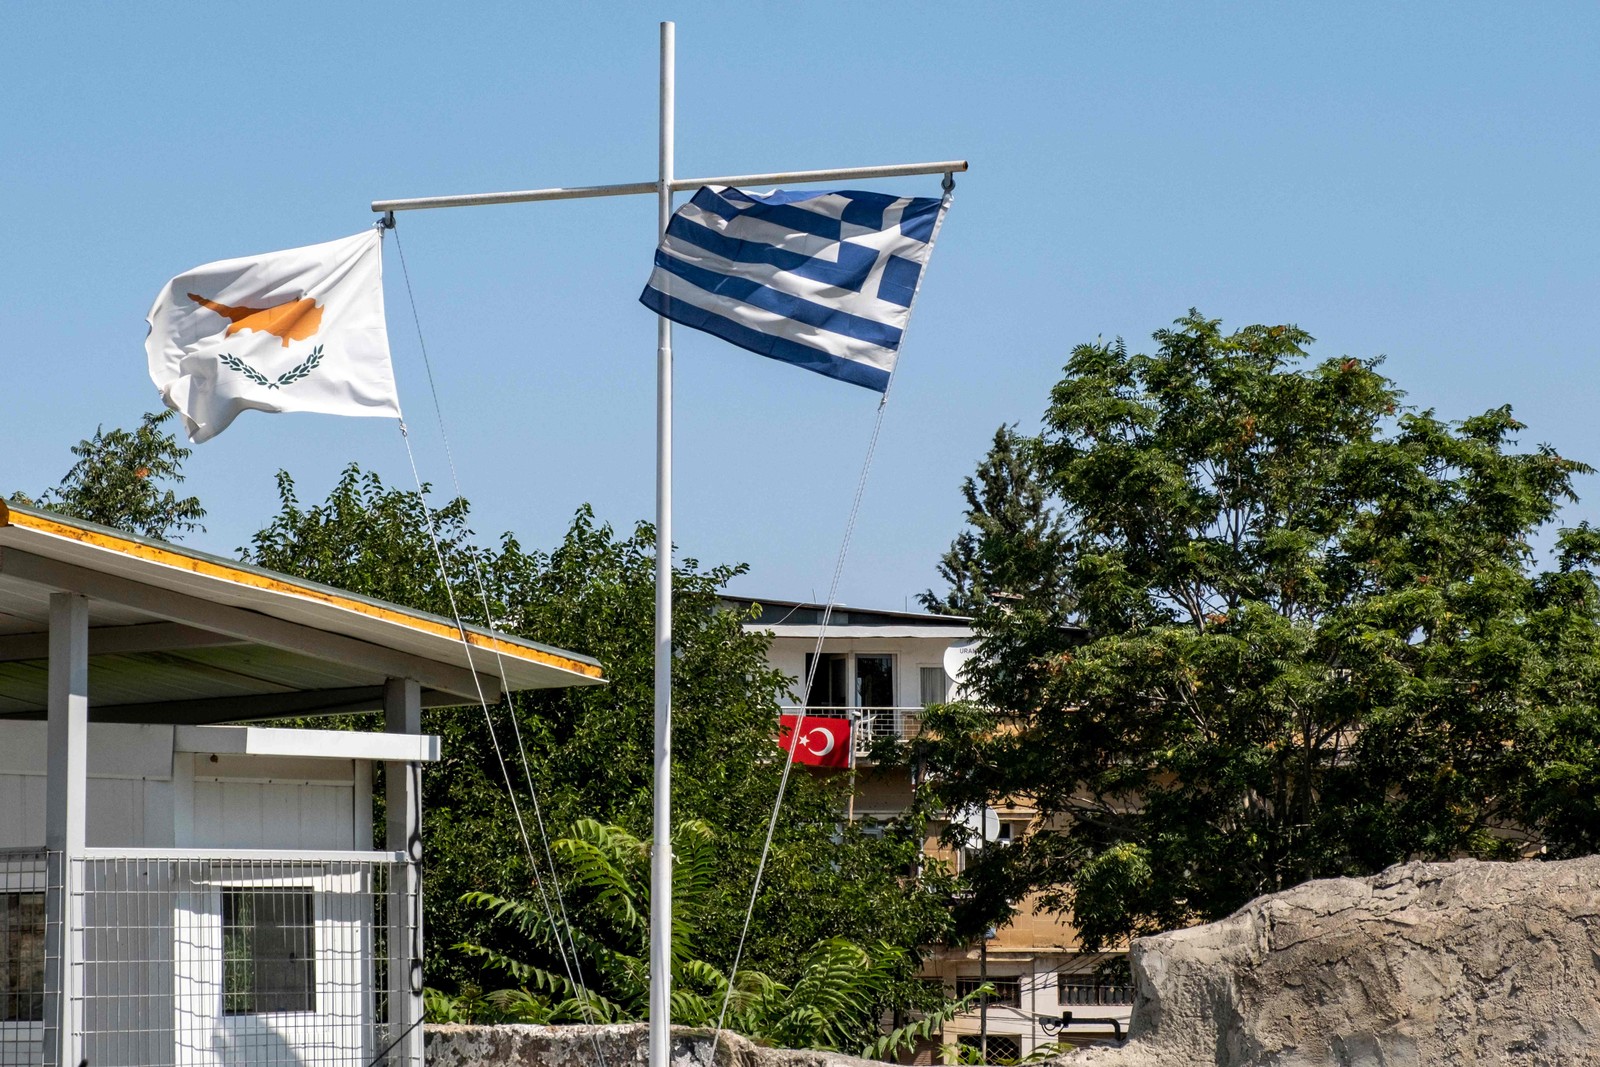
1002,1047
268,951
21,957
935,686
828,686
874,681
1089,989
1007,990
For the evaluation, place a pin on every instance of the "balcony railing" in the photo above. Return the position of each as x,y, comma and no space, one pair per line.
1092,994
871,724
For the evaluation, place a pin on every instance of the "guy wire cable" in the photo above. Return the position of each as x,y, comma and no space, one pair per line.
800,718
574,969
483,593
563,932
483,704
822,629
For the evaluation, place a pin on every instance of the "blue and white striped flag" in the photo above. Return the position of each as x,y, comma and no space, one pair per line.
821,280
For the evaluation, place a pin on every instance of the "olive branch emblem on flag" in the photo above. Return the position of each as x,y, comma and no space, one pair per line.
294,374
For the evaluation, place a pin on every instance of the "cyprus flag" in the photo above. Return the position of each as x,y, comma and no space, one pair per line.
299,330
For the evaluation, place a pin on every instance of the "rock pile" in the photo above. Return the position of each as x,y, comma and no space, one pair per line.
1426,963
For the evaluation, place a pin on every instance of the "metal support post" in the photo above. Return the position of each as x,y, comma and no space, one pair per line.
661,853
983,949
402,714
66,798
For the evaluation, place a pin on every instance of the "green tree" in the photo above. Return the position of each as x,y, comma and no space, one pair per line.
1318,641
835,1001
1014,547
122,480
589,749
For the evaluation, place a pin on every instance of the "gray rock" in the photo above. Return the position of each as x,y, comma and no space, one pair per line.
1426,963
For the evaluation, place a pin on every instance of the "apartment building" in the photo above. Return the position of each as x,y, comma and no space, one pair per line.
880,669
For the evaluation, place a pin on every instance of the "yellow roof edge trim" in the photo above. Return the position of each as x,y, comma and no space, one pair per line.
256,580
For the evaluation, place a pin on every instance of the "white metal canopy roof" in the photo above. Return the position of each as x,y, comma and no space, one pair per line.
182,636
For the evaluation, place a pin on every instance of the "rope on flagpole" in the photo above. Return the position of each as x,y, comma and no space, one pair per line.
483,704
822,630
563,931
800,719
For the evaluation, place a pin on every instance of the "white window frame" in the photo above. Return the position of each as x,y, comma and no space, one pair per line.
855,679
339,1026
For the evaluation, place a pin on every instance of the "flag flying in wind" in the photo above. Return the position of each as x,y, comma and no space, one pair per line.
823,742
821,280
298,330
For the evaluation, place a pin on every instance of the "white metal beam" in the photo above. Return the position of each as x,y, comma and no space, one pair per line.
313,744
208,711
244,855
402,715
248,625
677,185
66,816
118,640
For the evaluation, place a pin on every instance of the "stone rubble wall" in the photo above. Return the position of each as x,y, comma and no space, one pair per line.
608,1046
1463,963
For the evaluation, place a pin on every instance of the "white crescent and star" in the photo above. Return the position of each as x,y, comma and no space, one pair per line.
807,740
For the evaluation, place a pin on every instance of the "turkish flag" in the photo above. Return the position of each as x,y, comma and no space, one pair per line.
822,743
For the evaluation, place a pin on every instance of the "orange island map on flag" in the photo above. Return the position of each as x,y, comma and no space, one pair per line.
294,321
298,330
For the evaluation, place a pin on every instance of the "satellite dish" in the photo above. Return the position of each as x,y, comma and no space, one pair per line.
983,823
955,660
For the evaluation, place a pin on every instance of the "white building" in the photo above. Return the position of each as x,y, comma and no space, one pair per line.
176,892
881,668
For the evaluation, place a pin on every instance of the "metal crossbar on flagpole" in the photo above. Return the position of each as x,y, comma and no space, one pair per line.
664,186
679,185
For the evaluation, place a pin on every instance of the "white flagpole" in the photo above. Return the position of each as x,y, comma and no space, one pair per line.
661,855
663,187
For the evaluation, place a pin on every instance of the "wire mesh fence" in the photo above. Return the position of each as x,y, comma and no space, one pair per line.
189,960
24,881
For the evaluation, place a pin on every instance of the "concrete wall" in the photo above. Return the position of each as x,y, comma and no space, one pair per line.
144,793
788,654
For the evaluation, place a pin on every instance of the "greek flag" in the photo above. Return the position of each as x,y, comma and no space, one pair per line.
821,280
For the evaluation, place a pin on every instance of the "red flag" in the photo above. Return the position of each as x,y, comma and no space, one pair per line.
823,742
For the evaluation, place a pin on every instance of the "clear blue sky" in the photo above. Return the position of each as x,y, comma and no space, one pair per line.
1416,180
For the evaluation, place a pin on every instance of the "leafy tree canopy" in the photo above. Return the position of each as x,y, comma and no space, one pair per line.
122,480
589,750
1015,545
1316,638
